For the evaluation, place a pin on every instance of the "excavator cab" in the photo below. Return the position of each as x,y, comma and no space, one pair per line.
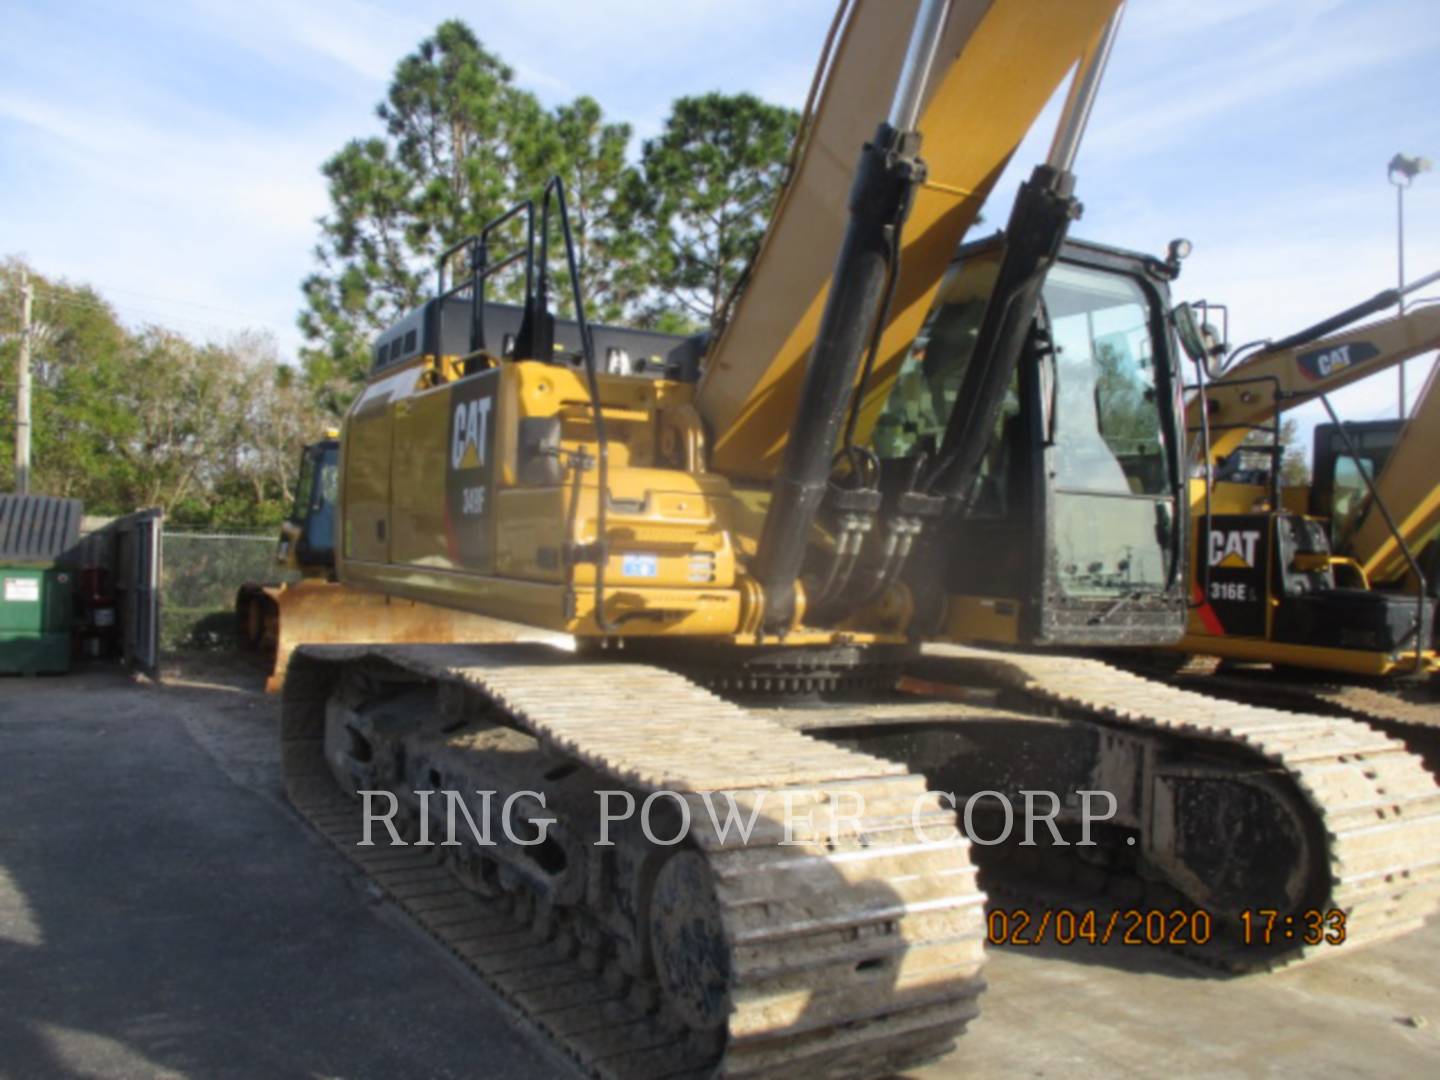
1338,488
1072,527
307,536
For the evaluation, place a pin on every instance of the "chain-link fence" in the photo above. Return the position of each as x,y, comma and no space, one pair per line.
199,574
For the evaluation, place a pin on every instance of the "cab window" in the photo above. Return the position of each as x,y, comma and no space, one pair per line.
1107,420
1351,498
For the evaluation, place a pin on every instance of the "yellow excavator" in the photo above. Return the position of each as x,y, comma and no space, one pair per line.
1321,595
273,619
825,585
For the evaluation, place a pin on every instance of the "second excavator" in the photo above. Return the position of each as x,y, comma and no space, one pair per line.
821,578
1319,595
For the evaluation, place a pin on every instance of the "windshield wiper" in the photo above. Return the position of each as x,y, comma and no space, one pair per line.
1119,605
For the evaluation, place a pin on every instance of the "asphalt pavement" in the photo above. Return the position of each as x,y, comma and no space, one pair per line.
163,913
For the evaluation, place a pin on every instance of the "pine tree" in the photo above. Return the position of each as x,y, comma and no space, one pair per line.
703,195
461,143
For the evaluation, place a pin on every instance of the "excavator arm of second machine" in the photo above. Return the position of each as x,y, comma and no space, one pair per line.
1410,489
997,65
1281,378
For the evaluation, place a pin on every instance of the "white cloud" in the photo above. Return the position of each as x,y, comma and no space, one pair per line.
225,170
359,38
1163,104
1153,22
209,214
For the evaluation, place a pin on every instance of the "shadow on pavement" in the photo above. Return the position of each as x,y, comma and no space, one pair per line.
157,918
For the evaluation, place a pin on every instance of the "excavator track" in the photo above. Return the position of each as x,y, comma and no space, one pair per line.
855,949
1379,808
1415,722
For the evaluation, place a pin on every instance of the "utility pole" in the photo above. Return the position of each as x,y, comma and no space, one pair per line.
22,394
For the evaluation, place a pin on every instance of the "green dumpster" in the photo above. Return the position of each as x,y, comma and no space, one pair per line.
35,617
36,590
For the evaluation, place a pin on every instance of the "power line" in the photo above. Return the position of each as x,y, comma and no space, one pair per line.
186,303
107,289
54,296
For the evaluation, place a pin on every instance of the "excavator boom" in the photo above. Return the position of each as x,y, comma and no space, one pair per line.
1280,377
979,104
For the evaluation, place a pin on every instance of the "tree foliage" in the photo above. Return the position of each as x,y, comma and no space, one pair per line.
209,433
660,243
456,134
589,156
461,144
703,195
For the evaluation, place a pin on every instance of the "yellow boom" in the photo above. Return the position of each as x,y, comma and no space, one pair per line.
983,99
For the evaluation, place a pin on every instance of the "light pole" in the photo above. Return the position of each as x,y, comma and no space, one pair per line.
1402,172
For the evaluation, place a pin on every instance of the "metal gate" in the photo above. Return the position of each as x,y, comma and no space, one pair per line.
200,575
137,538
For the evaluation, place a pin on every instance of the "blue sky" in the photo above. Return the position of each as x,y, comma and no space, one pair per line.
168,153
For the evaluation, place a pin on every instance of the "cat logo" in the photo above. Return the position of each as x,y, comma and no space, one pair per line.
1234,548
1322,363
472,419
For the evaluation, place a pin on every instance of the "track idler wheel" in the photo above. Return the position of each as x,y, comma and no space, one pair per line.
1232,840
688,942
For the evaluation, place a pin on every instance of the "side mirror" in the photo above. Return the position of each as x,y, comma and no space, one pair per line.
1202,343
1192,336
